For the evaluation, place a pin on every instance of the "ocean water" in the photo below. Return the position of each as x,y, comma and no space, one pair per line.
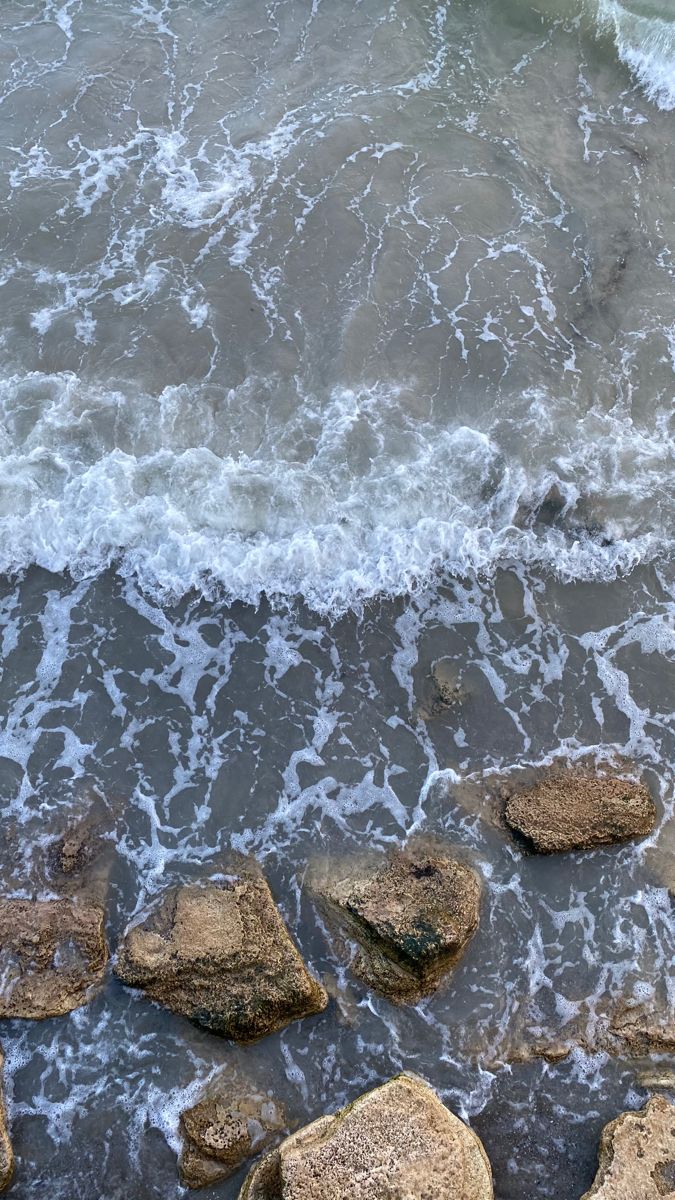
337,346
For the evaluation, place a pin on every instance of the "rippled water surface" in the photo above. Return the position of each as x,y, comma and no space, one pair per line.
337,339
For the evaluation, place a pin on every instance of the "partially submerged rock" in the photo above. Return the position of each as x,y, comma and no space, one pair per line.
6,1152
550,1052
637,1155
52,954
446,683
80,861
655,1077
410,913
625,1029
441,691
221,955
643,1031
579,812
77,849
397,1141
548,509
222,1131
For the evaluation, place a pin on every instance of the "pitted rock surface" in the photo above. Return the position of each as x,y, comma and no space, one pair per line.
637,1155
52,954
221,955
222,1131
397,1142
580,812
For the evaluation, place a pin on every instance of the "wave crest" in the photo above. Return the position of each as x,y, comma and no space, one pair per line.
336,499
644,35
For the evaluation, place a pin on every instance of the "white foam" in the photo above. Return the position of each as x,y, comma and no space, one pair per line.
645,41
190,200
375,502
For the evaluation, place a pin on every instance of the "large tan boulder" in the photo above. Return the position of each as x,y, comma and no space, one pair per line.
411,914
52,954
6,1152
223,1129
221,955
578,811
637,1155
397,1142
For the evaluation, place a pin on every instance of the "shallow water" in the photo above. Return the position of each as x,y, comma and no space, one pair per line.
210,726
306,307
316,298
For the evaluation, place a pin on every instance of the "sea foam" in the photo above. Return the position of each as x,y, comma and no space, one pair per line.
644,35
354,495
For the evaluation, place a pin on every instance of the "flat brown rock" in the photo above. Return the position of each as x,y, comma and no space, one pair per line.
411,914
221,1132
221,955
580,812
6,1152
644,1032
550,1052
397,1142
637,1155
52,953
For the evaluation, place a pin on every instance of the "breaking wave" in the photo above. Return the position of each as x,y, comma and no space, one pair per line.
644,35
353,496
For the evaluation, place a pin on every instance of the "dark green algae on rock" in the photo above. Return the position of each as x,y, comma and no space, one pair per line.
410,914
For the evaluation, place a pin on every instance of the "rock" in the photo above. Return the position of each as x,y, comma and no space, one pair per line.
397,1142
79,863
637,1155
442,691
221,955
630,1031
6,1152
552,507
550,1052
653,1078
549,510
76,850
52,953
446,684
579,812
643,1031
197,1170
222,1131
411,914
659,859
